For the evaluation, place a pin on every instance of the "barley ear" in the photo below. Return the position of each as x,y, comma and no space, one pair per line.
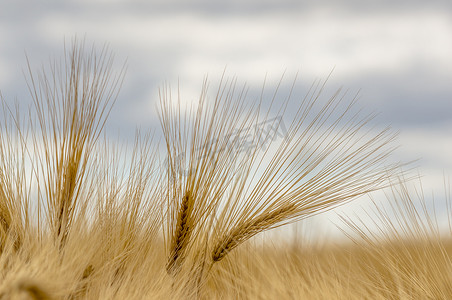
181,235
9,231
250,228
4,226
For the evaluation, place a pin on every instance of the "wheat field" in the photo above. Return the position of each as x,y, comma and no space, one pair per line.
180,218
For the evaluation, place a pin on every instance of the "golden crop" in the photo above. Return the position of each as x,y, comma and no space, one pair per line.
81,219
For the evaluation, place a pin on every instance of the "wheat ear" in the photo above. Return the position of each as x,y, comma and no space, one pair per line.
249,229
181,236
4,226
8,230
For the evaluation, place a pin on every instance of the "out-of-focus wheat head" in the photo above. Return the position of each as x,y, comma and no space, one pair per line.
222,191
402,249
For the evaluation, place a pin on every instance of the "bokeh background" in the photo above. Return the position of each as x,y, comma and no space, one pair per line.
397,53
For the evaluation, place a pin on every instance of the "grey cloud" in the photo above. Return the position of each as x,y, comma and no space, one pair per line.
408,100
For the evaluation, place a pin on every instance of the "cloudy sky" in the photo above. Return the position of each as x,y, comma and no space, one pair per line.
397,53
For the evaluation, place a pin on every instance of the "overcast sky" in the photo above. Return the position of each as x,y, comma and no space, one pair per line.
398,53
